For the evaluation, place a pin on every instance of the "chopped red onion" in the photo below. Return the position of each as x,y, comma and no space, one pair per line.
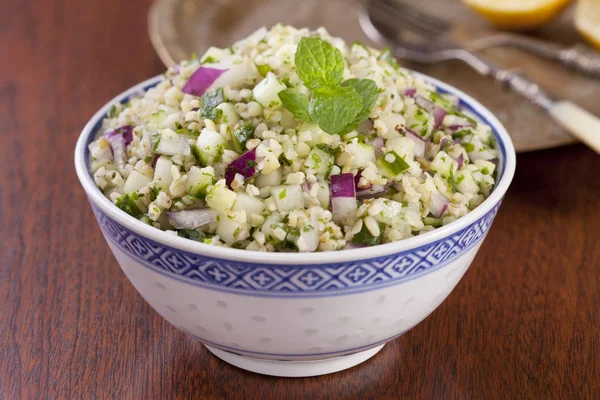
378,144
126,131
306,186
118,139
455,122
443,143
343,197
438,112
409,92
438,204
342,185
456,101
373,191
154,160
443,210
419,148
201,80
357,180
244,165
460,160
192,219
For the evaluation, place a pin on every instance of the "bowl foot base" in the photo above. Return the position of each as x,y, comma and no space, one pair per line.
295,369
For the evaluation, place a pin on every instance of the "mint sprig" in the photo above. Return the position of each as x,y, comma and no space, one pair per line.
336,106
295,102
334,109
318,63
367,89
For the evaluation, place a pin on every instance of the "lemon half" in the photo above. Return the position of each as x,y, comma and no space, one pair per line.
518,14
587,21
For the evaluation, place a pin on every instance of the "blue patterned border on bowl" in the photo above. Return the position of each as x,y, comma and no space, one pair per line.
293,281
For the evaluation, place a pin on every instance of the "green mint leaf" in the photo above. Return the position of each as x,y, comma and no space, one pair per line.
295,102
333,109
318,63
367,89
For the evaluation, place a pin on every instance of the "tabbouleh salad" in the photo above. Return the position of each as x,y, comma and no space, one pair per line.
292,140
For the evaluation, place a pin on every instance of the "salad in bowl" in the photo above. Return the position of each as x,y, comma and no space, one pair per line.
294,141
225,187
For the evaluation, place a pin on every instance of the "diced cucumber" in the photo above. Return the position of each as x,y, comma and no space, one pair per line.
229,117
274,178
390,211
162,174
230,230
158,118
198,182
318,162
442,163
271,222
250,204
324,194
357,155
135,182
485,167
214,55
220,198
465,182
393,164
393,123
241,136
432,221
171,143
309,237
146,219
404,146
266,91
210,101
210,146
317,135
419,121
447,101
288,197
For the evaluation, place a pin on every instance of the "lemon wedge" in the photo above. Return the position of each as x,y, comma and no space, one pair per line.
587,21
518,14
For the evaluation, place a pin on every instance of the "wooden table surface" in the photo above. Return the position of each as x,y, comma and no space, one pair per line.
524,322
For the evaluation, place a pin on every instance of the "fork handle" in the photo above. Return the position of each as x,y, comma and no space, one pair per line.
574,119
578,57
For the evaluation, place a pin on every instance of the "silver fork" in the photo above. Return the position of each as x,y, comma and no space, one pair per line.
579,57
416,35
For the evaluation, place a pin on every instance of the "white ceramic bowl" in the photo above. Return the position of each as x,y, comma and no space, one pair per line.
290,314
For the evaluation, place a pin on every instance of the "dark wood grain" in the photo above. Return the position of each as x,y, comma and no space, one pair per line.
523,323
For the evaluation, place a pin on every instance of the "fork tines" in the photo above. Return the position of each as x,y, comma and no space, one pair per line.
405,15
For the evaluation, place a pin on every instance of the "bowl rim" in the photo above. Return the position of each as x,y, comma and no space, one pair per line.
95,195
